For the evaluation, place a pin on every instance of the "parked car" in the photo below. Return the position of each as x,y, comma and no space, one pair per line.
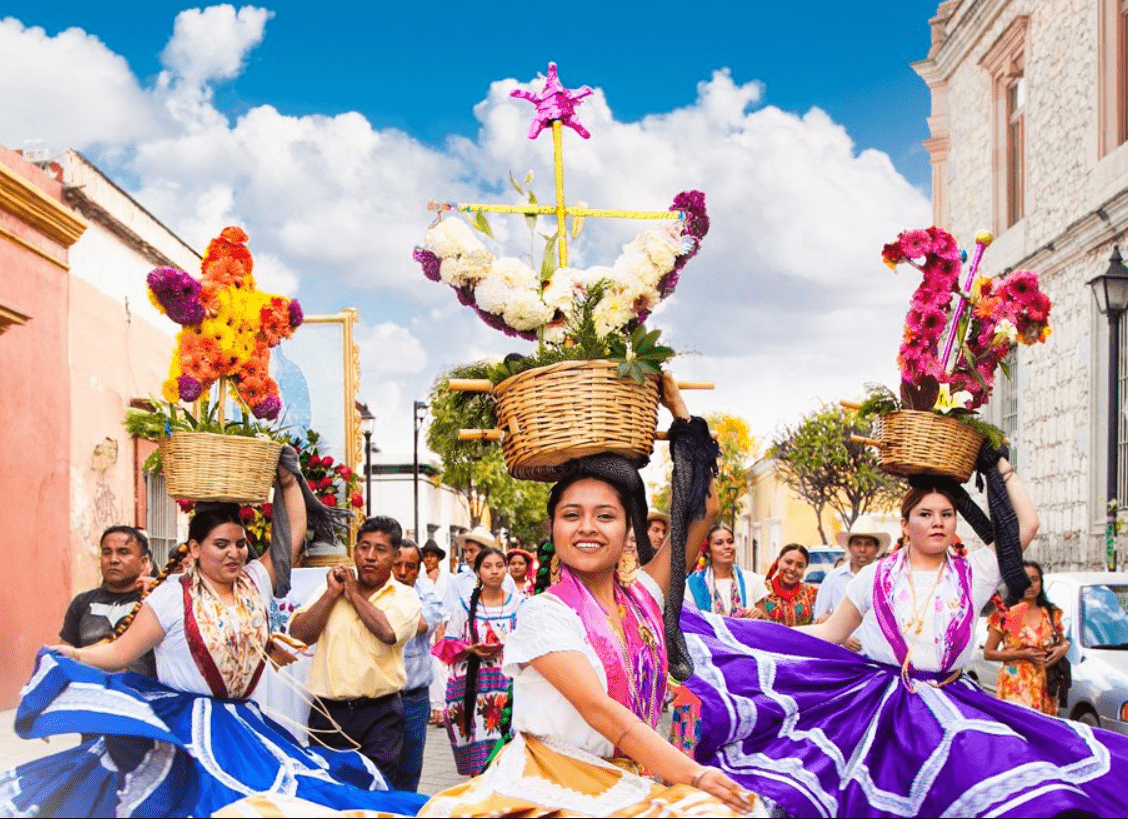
823,559
1095,613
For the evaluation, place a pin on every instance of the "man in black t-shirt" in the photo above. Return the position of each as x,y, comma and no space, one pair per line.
93,615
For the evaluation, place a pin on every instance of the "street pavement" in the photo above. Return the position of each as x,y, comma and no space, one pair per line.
438,762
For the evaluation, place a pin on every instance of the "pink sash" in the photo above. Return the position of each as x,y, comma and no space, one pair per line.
636,670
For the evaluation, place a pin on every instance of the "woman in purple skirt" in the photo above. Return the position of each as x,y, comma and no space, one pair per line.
827,732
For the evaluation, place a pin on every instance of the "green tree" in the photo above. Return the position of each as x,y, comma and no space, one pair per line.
476,468
738,449
819,461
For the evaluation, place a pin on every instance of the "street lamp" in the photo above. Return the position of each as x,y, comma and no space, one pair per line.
367,423
1111,291
420,411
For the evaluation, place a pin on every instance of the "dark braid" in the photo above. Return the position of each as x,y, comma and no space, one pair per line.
473,661
178,556
545,552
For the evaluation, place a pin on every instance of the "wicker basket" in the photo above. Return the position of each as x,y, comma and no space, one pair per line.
203,466
924,443
552,414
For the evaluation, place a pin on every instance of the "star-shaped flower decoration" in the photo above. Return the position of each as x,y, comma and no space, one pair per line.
555,102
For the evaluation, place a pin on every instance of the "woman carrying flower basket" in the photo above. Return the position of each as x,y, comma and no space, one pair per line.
898,731
589,656
193,742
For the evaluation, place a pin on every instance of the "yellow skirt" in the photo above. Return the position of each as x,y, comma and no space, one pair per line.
539,777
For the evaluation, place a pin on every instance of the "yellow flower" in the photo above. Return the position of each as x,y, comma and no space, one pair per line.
977,287
946,401
984,237
171,390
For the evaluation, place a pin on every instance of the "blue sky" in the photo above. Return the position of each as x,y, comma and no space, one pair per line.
324,130
422,67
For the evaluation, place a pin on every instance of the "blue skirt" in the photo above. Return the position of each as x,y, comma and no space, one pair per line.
162,752
826,732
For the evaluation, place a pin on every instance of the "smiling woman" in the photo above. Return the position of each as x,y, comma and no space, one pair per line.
790,601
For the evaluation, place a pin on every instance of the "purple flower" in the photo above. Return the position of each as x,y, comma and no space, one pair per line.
498,323
696,217
430,262
189,388
178,293
296,314
268,408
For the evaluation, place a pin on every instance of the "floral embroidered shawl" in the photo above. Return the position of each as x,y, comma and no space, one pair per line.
226,643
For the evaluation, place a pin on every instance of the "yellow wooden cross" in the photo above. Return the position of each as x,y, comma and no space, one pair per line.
556,107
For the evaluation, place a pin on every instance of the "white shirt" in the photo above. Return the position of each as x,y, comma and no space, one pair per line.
462,586
925,657
175,666
832,590
545,625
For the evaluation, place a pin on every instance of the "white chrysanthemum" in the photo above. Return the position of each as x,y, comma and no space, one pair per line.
661,248
450,272
452,237
563,288
554,333
524,310
634,265
611,314
491,295
514,273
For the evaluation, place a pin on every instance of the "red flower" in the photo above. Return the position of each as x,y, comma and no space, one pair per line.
247,513
329,500
314,461
325,483
326,461
268,510
345,473
186,505
357,500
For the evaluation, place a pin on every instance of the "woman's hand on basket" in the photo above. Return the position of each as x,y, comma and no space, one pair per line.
285,476
671,396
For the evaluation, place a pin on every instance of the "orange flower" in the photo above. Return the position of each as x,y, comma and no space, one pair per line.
193,364
223,272
251,390
987,306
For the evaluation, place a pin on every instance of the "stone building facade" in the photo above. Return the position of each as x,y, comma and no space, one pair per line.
1028,139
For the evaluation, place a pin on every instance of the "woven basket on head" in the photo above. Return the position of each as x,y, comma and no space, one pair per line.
924,443
552,414
203,466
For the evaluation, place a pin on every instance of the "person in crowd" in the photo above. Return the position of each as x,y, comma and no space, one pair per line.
589,657
416,696
863,543
93,615
463,583
190,743
477,690
899,731
718,585
1028,637
433,555
789,600
520,562
657,528
361,622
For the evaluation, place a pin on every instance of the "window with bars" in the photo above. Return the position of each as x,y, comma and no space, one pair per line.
1005,61
160,519
1006,396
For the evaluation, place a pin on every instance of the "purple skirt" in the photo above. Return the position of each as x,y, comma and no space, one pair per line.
826,732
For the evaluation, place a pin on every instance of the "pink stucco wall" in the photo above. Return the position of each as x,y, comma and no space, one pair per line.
35,413
115,357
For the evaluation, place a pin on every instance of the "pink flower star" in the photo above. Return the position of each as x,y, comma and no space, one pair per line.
555,102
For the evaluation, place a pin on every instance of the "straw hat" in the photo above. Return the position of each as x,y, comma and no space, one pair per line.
481,535
865,525
656,515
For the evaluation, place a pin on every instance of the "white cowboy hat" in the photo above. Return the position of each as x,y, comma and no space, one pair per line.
864,525
482,535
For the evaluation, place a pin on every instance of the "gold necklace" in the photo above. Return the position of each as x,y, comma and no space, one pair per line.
917,620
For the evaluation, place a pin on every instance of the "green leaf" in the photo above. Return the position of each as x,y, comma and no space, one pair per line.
532,198
550,261
479,222
516,187
529,177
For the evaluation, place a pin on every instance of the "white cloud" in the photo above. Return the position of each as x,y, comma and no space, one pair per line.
787,303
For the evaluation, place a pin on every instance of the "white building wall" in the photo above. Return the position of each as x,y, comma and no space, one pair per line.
1076,208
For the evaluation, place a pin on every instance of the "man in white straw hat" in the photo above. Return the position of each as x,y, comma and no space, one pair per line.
462,585
864,542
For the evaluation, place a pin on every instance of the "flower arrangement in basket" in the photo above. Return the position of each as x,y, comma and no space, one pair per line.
336,486
591,385
228,328
932,427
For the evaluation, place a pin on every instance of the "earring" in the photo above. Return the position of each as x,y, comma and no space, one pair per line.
554,569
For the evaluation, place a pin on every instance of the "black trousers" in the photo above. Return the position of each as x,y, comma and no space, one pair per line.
376,724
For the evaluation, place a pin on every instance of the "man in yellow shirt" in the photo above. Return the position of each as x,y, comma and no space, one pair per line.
361,623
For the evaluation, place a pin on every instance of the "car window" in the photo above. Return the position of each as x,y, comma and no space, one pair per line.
1104,618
